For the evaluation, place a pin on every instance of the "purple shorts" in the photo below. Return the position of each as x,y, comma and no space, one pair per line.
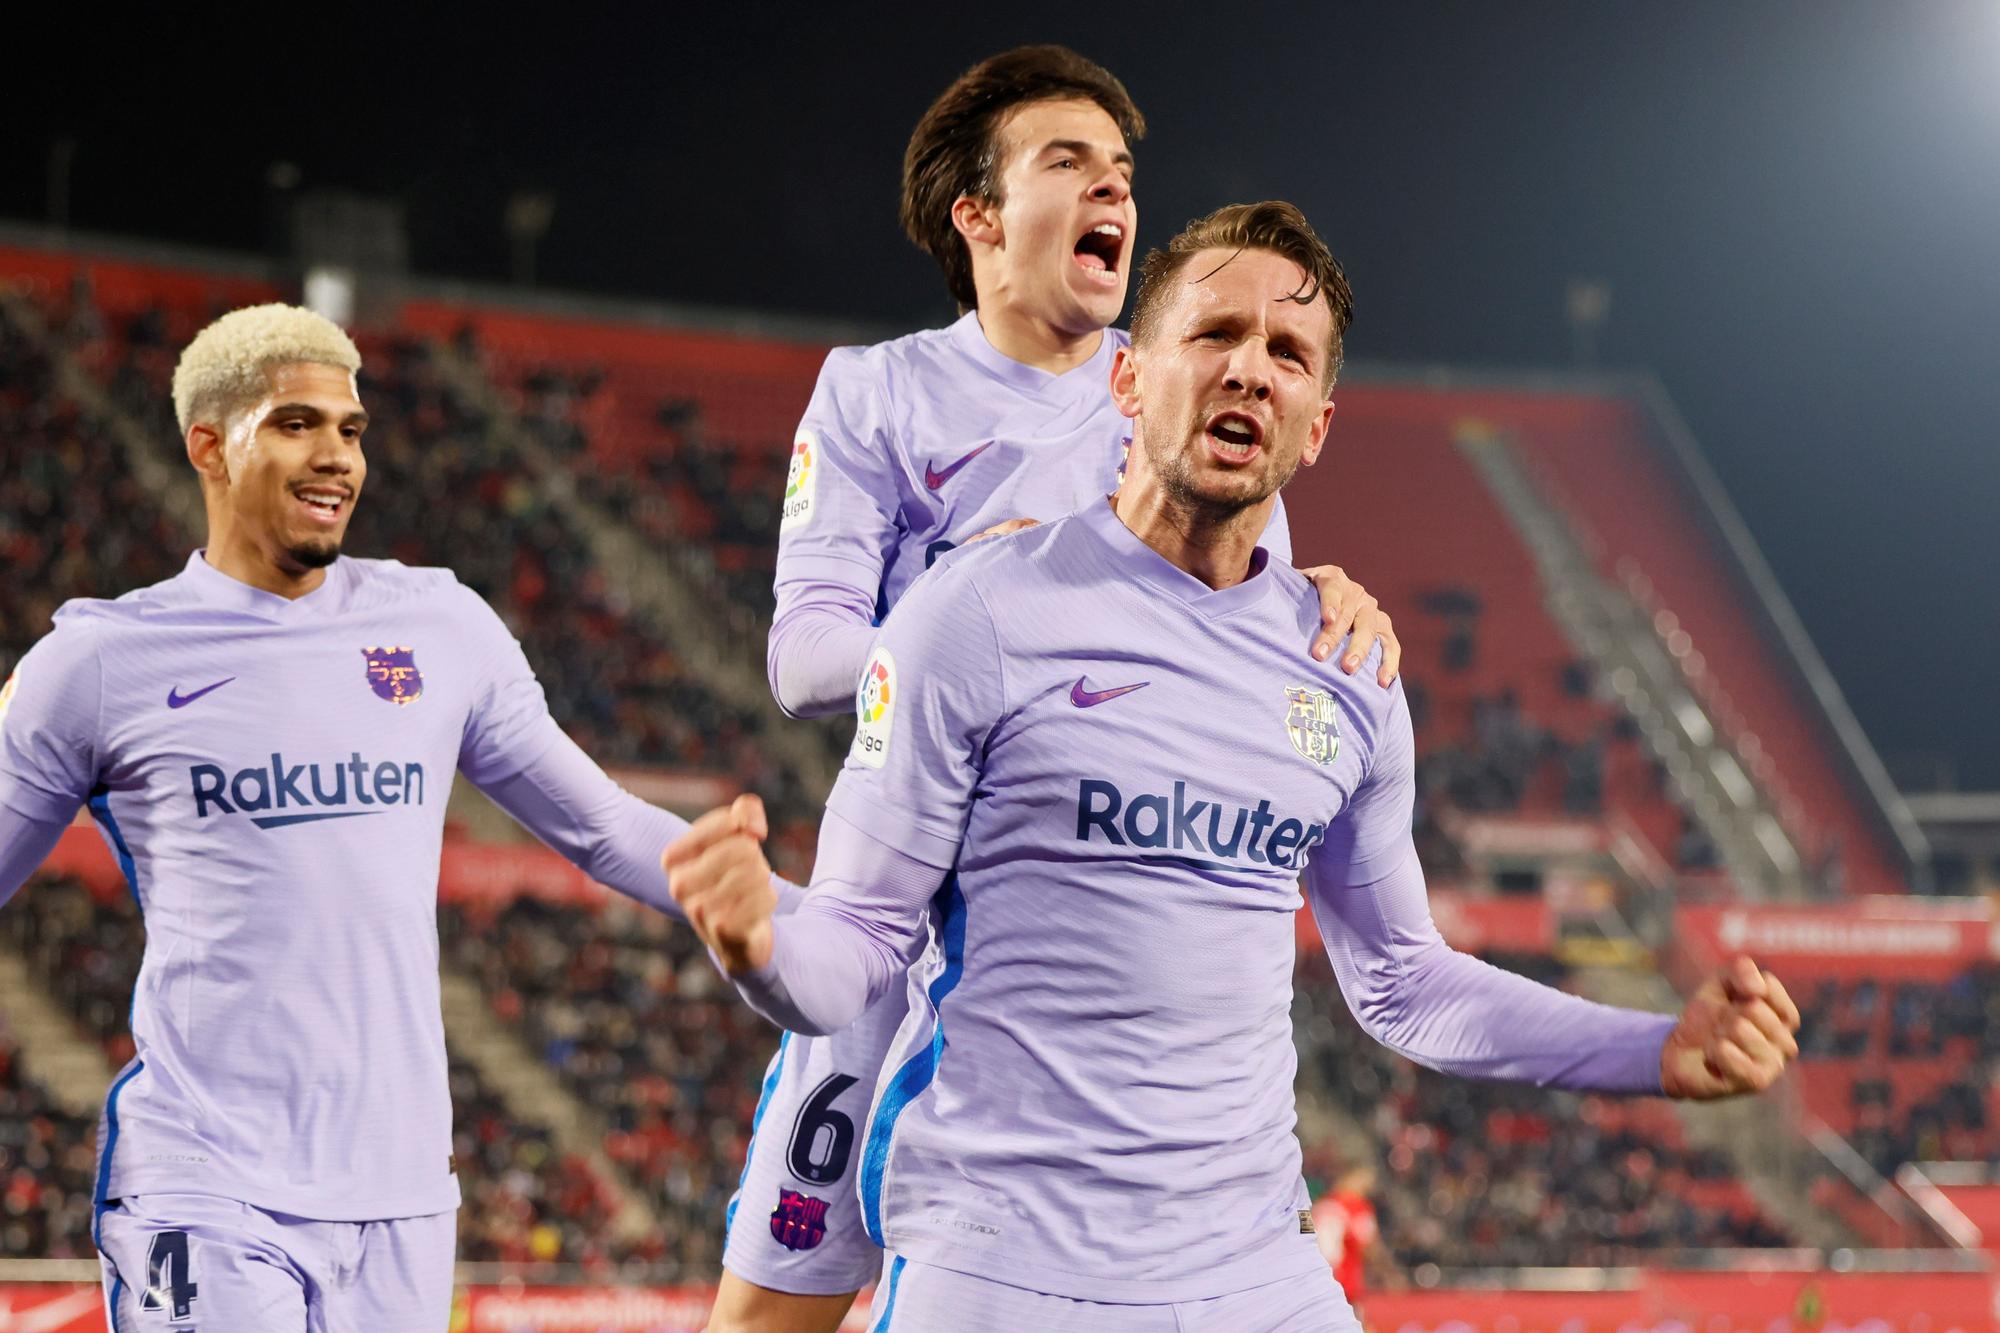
197,1261
795,1223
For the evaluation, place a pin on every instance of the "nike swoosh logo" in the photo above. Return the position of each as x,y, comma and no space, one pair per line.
175,699
934,478
1088,698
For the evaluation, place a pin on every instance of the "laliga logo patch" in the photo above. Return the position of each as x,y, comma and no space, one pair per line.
393,674
7,694
801,480
875,710
1311,722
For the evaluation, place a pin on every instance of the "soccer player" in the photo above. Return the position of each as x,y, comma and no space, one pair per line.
277,1156
1018,181
1085,787
1344,1223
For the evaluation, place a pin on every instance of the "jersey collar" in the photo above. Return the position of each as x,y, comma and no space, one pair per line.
1148,565
1091,377
212,588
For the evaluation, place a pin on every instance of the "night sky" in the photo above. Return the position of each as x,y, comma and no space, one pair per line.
1797,208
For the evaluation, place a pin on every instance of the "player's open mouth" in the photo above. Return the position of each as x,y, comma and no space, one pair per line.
323,504
1099,250
1234,437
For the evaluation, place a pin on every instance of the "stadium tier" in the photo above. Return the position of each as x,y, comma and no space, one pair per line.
681,438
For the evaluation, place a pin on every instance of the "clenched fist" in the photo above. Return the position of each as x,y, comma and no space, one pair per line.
718,874
1735,1035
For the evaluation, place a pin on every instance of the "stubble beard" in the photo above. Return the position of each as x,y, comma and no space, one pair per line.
1175,469
302,556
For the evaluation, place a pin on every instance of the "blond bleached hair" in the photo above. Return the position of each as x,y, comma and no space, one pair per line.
226,365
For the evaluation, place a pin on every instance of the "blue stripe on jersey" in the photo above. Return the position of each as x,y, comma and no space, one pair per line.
100,810
918,1071
756,1119
101,1191
117,1291
889,1305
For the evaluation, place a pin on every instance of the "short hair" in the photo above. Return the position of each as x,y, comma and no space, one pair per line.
954,151
1272,225
226,364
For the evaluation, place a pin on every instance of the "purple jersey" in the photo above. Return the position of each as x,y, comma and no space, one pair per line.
1108,780
909,448
272,776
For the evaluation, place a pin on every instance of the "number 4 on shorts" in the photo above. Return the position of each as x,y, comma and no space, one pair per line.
169,1279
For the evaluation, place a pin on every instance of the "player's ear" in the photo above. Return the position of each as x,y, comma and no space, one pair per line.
204,450
1316,437
1125,382
977,220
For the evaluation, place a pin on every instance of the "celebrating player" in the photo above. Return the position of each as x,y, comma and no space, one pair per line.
1090,773
277,1155
1018,180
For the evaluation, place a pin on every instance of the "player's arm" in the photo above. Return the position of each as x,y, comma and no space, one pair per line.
1420,997
853,937
514,752
49,726
893,829
840,516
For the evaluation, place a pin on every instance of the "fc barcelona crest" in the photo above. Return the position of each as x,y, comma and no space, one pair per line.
1311,722
799,1220
393,674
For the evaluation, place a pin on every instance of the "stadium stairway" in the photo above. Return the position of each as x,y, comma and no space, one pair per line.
532,1089
722,645
1616,635
70,1065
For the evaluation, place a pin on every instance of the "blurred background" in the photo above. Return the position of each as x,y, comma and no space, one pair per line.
1666,436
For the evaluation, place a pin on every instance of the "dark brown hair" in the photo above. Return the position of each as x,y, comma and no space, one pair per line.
954,150
1272,225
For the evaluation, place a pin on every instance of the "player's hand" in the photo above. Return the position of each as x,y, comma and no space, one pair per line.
718,874
1735,1035
1002,529
1345,605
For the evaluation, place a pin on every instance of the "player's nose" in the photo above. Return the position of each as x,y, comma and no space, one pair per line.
1249,371
1111,188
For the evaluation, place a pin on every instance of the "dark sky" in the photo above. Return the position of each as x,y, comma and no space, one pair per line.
1797,207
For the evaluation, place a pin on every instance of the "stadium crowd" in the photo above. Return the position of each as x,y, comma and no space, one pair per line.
1886,1028
1499,1175
48,1164
625,1005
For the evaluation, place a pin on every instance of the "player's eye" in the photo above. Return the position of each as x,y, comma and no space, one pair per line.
1068,162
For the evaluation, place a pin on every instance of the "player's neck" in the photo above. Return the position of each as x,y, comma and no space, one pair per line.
231,553
1021,335
1213,545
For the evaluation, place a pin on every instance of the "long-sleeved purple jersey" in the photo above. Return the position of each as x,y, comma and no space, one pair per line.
1086,787
909,448
272,776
